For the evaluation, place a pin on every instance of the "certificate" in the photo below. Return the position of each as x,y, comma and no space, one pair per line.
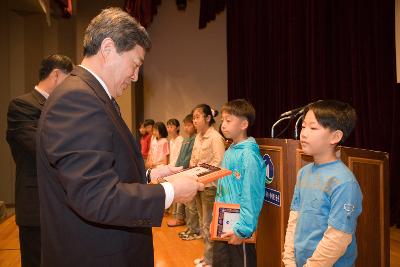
225,216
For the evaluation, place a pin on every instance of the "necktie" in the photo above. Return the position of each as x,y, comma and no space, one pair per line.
116,106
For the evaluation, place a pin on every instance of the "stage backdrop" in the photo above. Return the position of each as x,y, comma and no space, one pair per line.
284,54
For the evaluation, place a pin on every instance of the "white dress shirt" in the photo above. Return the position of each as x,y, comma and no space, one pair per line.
42,92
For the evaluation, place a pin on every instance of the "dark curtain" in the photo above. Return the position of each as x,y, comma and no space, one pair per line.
142,10
283,54
64,7
209,10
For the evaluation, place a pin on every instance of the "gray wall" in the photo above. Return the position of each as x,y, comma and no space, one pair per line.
6,163
26,40
186,66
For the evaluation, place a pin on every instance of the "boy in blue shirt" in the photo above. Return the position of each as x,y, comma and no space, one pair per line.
245,186
327,198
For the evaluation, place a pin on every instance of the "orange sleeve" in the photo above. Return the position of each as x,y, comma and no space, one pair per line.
288,257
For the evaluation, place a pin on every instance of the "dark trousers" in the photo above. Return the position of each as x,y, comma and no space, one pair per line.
29,243
226,255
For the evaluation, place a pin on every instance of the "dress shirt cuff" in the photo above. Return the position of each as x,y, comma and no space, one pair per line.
169,194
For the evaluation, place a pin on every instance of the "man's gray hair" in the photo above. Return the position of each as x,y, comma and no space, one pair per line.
118,25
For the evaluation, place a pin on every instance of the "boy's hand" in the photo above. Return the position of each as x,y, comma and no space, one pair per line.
233,239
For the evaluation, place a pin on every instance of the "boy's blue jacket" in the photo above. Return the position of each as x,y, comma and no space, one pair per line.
246,184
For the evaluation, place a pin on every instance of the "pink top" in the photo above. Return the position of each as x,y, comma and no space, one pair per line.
159,151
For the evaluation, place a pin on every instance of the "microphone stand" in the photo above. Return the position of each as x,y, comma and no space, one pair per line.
296,128
277,122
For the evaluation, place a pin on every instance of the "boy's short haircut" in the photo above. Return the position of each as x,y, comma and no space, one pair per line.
334,115
240,108
174,122
148,122
188,118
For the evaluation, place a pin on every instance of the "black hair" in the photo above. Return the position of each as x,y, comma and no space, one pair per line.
188,118
174,122
240,108
162,130
334,115
207,111
52,62
148,122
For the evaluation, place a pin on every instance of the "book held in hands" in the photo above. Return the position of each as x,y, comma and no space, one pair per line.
225,216
203,173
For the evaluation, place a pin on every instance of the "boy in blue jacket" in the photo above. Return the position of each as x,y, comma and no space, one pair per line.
245,186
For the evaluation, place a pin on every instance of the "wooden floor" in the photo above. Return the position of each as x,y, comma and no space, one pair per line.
169,249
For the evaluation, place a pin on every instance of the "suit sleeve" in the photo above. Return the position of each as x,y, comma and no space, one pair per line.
77,137
22,119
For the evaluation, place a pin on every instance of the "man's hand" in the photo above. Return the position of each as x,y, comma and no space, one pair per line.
233,239
185,189
163,171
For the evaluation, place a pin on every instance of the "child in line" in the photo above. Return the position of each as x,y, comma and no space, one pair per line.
175,143
175,140
188,210
245,186
208,148
159,150
146,132
192,217
327,198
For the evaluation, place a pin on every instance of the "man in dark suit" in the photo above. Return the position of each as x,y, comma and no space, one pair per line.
23,116
96,206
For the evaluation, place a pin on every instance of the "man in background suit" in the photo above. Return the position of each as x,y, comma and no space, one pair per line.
23,116
96,206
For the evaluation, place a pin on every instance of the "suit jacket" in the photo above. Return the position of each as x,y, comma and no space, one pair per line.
96,208
22,120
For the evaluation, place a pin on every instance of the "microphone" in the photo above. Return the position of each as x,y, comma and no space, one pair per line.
293,112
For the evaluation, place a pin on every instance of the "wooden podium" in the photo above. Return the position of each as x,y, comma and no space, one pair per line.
371,171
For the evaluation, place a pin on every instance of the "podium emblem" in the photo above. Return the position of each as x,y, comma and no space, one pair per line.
269,174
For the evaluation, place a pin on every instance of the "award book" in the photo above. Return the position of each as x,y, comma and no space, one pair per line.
225,216
203,173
